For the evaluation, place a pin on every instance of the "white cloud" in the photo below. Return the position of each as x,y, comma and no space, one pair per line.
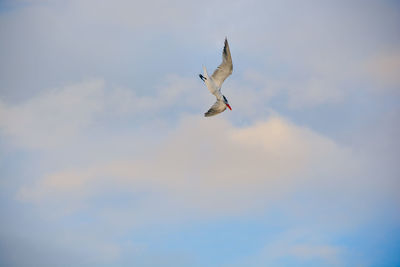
105,163
58,117
312,62
54,117
203,168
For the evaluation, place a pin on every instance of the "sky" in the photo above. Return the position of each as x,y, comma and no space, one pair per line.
106,158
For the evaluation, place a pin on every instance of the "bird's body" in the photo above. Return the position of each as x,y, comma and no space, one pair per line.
214,82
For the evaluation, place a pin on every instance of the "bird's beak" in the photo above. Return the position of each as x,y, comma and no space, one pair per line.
229,106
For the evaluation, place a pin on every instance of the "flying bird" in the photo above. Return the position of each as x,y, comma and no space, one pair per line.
214,82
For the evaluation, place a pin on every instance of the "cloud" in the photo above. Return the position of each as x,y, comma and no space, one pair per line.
297,246
58,117
384,69
203,168
315,63
53,246
54,117
102,161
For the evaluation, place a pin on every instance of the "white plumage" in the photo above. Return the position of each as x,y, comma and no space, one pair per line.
214,82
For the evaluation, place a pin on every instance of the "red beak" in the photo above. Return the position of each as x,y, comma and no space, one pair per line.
229,106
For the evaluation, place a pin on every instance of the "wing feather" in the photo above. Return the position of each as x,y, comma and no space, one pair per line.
215,109
225,68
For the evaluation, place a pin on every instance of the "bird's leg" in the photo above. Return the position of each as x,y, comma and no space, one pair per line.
202,77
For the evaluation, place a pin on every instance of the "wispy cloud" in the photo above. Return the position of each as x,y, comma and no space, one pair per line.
58,116
53,118
304,248
113,170
206,168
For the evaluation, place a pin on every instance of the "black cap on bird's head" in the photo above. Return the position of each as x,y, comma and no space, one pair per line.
226,102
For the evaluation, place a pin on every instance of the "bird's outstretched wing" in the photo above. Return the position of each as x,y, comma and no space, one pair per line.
215,109
225,68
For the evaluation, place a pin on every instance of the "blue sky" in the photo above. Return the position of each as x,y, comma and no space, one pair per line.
106,158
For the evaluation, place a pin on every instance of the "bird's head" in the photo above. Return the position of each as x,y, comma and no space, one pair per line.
226,102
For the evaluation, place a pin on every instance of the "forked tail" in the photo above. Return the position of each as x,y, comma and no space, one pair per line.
205,76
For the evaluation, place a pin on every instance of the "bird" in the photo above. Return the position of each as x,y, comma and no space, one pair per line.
214,82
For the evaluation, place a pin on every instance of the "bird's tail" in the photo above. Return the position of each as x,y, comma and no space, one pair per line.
205,72
204,78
